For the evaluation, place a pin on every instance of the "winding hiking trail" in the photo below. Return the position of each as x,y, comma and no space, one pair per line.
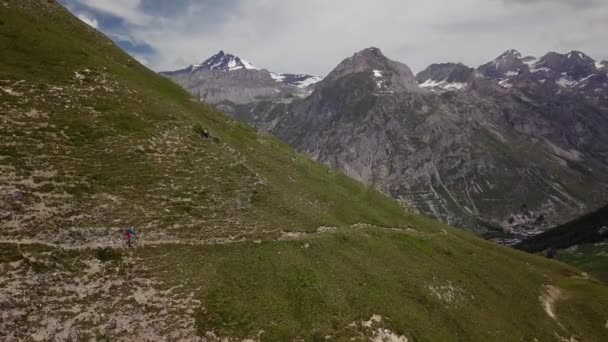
113,240
119,244
84,287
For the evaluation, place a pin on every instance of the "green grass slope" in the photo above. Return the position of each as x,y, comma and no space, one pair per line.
590,257
582,243
241,237
106,142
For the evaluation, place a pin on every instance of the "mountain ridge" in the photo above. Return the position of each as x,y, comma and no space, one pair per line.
511,111
221,61
228,78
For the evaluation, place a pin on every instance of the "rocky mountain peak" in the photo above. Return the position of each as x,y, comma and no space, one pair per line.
371,52
364,60
446,76
510,54
387,73
214,81
574,65
222,61
508,64
580,56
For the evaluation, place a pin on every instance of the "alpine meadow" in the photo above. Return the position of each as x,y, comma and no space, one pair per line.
244,236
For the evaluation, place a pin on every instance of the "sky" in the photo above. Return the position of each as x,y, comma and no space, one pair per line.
313,36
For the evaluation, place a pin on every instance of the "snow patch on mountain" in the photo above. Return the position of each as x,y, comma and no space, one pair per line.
445,85
222,61
277,77
565,82
541,70
378,75
248,65
505,84
308,82
431,83
585,78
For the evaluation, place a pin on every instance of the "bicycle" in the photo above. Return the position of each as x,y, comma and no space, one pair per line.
130,241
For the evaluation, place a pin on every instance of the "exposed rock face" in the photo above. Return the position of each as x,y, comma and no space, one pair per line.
388,74
240,86
575,64
450,72
446,76
511,149
221,62
225,78
508,64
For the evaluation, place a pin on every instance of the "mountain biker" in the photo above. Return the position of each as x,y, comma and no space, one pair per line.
130,235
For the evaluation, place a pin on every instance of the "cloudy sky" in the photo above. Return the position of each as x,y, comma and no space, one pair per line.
312,36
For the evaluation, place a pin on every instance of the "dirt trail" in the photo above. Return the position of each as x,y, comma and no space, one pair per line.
113,240
549,296
118,244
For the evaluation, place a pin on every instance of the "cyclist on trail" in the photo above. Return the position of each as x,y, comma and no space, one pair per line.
130,236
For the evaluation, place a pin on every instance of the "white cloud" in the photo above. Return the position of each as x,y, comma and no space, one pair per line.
141,60
315,35
127,10
89,20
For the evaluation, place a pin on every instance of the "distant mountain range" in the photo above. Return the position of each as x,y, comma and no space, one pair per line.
507,149
553,73
225,77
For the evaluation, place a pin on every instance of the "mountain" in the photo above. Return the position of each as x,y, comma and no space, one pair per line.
220,62
240,237
508,64
387,75
551,75
574,65
227,79
446,76
506,150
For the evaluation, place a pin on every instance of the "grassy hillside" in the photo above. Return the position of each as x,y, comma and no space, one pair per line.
590,257
110,143
241,237
582,243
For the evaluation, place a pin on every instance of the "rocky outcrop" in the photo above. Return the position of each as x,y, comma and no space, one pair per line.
575,64
386,73
509,63
446,76
449,72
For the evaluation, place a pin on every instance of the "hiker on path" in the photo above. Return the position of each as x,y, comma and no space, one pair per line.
130,236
